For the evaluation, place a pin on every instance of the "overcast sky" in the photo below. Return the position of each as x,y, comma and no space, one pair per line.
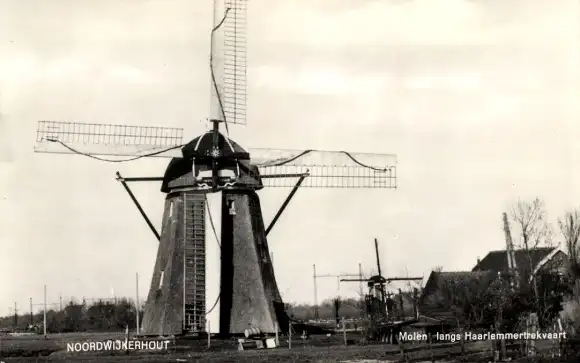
479,100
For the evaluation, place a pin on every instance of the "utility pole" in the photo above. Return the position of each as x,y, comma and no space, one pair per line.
137,300
360,276
338,280
44,311
15,316
60,299
315,292
512,267
31,313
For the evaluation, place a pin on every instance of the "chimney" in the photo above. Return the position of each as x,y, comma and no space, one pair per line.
478,261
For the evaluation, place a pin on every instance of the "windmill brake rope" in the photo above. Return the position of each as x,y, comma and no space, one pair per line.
342,152
211,221
214,305
180,146
213,80
116,160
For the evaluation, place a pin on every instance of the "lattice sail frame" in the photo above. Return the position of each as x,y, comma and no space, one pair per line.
326,169
228,62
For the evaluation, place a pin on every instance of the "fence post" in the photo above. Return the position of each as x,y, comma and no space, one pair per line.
208,334
44,313
560,340
290,335
430,346
462,340
492,342
344,331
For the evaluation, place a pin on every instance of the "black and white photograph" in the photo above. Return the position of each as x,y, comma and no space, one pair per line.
354,181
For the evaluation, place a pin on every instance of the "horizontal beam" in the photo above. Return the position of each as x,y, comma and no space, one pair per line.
160,178
387,279
295,175
139,179
342,275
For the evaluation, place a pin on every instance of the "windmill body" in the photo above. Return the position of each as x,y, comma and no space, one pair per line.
249,295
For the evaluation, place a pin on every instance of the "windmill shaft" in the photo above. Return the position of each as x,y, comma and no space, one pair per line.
216,63
214,163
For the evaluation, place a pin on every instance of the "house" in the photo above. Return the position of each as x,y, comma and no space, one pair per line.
535,260
445,289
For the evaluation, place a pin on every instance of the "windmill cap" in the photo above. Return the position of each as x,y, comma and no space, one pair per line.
377,279
202,147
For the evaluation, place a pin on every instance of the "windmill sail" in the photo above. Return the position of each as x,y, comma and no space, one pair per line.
228,62
326,169
58,137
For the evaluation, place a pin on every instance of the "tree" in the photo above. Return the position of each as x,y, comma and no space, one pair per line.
472,300
74,318
531,220
570,229
535,231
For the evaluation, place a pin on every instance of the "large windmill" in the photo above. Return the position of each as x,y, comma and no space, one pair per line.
210,163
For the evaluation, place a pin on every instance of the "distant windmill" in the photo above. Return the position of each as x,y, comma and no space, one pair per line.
379,304
209,163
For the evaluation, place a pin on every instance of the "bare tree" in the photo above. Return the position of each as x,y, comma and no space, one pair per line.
533,227
570,229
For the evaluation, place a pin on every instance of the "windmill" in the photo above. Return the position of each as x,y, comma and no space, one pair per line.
210,163
378,301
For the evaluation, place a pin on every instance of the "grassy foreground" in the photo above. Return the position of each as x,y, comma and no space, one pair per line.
318,349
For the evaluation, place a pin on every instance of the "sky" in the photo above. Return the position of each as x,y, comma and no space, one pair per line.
478,99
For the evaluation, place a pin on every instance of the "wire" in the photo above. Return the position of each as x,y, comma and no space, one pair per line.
214,82
211,221
180,146
214,305
342,152
116,160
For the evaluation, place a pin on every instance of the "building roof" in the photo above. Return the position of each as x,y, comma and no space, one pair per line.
497,260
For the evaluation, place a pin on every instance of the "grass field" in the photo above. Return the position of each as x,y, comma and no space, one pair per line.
316,349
